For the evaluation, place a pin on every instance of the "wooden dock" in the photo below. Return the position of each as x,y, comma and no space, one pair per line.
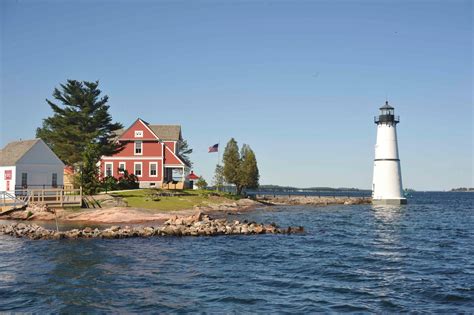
53,197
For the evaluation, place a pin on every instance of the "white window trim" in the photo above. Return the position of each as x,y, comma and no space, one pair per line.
156,169
135,168
111,168
123,158
135,147
124,167
138,133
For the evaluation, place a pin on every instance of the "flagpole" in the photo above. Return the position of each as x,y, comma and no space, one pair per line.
218,158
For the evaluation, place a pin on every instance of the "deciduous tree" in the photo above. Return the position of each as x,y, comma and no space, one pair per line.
219,177
249,174
232,164
241,168
201,183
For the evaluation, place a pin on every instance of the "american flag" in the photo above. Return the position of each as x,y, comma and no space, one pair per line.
214,148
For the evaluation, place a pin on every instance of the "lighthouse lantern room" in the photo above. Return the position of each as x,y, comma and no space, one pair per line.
387,181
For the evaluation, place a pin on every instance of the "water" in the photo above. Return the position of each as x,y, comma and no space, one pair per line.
418,257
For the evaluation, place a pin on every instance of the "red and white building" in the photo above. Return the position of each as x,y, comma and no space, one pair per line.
151,153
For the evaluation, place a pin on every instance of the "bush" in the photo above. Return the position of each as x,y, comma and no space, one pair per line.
126,181
109,183
201,183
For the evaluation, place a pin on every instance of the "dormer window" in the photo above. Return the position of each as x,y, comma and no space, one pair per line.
138,148
138,133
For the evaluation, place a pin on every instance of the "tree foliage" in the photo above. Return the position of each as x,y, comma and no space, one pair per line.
249,174
219,177
126,181
241,168
80,119
184,151
231,161
88,177
201,183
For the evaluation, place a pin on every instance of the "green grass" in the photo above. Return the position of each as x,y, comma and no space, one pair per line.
140,198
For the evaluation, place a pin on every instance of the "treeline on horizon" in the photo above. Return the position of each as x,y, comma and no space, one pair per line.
462,189
290,188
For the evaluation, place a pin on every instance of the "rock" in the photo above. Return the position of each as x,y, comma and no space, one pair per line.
259,229
196,225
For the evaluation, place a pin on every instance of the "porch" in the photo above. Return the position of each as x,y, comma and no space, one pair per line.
174,178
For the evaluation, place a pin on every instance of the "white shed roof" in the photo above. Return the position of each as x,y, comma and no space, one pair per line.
14,151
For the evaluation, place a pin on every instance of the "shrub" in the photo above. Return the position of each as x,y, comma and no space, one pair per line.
127,181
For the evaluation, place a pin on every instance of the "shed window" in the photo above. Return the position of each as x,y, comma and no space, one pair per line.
24,180
54,180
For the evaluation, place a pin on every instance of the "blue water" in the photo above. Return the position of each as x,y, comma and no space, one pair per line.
418,257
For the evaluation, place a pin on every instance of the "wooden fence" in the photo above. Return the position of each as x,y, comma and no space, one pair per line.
51,196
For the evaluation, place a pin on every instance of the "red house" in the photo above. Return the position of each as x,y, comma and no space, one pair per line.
151,153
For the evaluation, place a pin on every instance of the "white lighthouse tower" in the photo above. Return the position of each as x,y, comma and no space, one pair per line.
387,184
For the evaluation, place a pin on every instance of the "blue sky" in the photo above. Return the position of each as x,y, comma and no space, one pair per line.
299,81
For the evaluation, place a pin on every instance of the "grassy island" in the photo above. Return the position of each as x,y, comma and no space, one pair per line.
162,200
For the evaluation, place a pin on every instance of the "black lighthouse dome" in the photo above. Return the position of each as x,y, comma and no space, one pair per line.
387,115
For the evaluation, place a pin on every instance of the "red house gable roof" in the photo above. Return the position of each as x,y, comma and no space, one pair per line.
153,132
171,158
138,126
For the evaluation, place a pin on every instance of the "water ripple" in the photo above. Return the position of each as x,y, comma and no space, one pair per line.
351,259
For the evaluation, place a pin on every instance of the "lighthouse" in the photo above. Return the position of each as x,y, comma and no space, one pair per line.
387,183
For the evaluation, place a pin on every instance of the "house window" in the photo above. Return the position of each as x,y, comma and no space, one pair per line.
138,148
24,180
138,133
108,169
54,180
153,169
121,167
138,169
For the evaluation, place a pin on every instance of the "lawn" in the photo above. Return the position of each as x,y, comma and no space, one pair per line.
143,198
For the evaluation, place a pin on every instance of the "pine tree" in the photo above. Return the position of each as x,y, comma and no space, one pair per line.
184,151
81,119
232,164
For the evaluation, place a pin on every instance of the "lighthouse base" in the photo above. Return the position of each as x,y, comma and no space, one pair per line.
401,201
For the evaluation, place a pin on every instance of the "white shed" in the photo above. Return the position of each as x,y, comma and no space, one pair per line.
29,164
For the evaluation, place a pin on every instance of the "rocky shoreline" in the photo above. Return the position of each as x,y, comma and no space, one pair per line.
128,215
195,225
291,200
